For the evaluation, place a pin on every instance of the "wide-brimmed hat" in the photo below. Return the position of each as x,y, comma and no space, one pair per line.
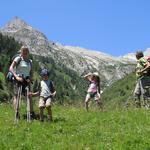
87,75
95,74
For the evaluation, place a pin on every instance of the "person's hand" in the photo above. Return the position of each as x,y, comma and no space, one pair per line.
138,72
28,80
20,79
30,94
53,94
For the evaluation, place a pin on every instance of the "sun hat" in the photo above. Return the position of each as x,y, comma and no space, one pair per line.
87,75
96,74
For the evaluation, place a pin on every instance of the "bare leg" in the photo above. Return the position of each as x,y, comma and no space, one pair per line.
87,99
17,103
33,116
99,104
31,104
49,111
99,101
14,102
87,106
137,101
41,114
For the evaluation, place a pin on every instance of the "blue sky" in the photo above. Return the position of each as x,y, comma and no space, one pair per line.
115,27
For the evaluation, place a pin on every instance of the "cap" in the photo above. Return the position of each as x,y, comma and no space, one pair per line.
44,72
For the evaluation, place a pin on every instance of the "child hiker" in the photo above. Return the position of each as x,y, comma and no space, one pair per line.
46,92
93,90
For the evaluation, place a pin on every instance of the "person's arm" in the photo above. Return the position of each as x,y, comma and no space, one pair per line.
34,93
146,68
53,91
88,76
38,91
11,69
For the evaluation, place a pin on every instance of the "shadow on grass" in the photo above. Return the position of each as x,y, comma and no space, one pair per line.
55,119
59,119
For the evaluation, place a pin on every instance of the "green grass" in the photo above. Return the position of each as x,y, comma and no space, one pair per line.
75,129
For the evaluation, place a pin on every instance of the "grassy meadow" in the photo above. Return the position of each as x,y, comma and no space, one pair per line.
75,129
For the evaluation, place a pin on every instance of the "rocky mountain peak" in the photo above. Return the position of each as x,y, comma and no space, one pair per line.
16,24
27,35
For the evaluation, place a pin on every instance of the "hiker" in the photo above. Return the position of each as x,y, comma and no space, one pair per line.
141,92
21,68
93,90
46,91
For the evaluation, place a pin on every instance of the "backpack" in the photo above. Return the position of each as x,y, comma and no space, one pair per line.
148,71
10,77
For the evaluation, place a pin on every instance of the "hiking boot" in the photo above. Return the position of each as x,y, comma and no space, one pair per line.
137,103
49,120
41,120
32,115
17,116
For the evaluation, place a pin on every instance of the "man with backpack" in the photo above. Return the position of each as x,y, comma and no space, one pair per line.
142,82
21,69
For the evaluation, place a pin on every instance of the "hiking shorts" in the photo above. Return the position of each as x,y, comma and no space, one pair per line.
45,102
16,87
142,86
95,96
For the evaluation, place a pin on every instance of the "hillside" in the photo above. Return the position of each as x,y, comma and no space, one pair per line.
120,93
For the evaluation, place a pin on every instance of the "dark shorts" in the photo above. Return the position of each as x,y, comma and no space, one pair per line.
92,95
16,86
95,96
142,86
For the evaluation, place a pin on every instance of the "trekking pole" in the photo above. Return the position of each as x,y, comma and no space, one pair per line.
17,115
28,105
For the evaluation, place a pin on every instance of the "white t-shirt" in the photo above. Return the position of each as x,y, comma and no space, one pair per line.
44,88
24,67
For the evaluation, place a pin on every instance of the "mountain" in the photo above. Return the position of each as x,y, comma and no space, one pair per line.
75,58
130,57
147,52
